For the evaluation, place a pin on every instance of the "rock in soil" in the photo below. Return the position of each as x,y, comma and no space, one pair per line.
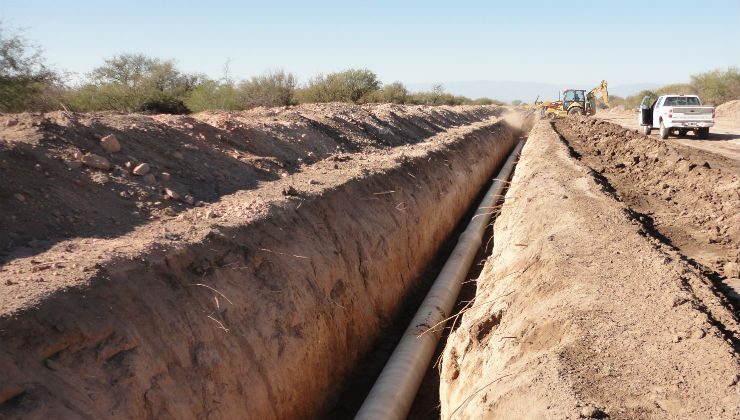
591,412
172,195
149,179
96,161
110,143
141,169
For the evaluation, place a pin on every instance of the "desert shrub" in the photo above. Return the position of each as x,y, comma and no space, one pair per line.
274,88
717,86
346,86
164,105
634,101
213,94
393,93
714,87
677,88
483,101
135,82
26,82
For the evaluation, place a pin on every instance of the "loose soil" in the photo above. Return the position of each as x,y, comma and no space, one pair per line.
199,158
257,301
689,197
597,301
724,137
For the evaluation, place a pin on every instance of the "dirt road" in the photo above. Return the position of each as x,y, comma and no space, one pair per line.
724,137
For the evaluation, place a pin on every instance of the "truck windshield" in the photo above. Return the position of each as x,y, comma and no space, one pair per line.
682,101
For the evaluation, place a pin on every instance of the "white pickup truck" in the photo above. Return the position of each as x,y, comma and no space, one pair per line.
673,114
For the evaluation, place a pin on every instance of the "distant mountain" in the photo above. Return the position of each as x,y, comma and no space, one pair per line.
524,91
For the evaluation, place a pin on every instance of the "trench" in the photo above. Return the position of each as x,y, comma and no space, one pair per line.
426,405
264,318
581,282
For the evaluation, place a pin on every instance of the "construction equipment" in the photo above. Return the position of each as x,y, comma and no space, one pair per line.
574,102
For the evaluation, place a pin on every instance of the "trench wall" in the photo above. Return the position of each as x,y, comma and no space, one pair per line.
263,320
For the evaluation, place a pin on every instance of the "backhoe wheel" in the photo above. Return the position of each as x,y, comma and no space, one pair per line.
702,133
575,111
646,129
551,115
664,132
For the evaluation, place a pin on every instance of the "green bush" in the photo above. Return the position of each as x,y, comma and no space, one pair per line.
394,93
213,94
135,82
346,86
274,88
717,86
677,88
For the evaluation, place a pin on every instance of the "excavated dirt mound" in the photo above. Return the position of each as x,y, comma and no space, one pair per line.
256,302
585,309
729,110
191,159
691,197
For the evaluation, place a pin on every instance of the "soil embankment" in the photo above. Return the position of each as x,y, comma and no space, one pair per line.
255,302
585,309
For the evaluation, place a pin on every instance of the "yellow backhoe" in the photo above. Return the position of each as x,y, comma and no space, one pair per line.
574,102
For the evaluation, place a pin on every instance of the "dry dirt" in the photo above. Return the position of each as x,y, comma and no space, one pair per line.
724,137
306,229
251,264
200,158
689,197
597,301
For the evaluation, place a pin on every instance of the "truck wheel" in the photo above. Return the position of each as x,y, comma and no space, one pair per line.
646,129
702,133
664,132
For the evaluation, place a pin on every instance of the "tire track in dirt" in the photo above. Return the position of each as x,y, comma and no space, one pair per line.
687,198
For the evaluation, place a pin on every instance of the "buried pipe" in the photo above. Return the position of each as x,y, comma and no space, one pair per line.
394,391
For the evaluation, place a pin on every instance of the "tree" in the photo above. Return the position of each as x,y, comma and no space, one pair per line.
25,80
135,82
516,102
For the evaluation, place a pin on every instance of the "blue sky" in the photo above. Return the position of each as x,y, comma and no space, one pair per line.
575,41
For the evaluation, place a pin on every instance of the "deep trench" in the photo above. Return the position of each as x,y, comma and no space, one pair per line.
427,403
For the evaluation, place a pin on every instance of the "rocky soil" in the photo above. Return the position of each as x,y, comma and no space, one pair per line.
249,279
66,182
